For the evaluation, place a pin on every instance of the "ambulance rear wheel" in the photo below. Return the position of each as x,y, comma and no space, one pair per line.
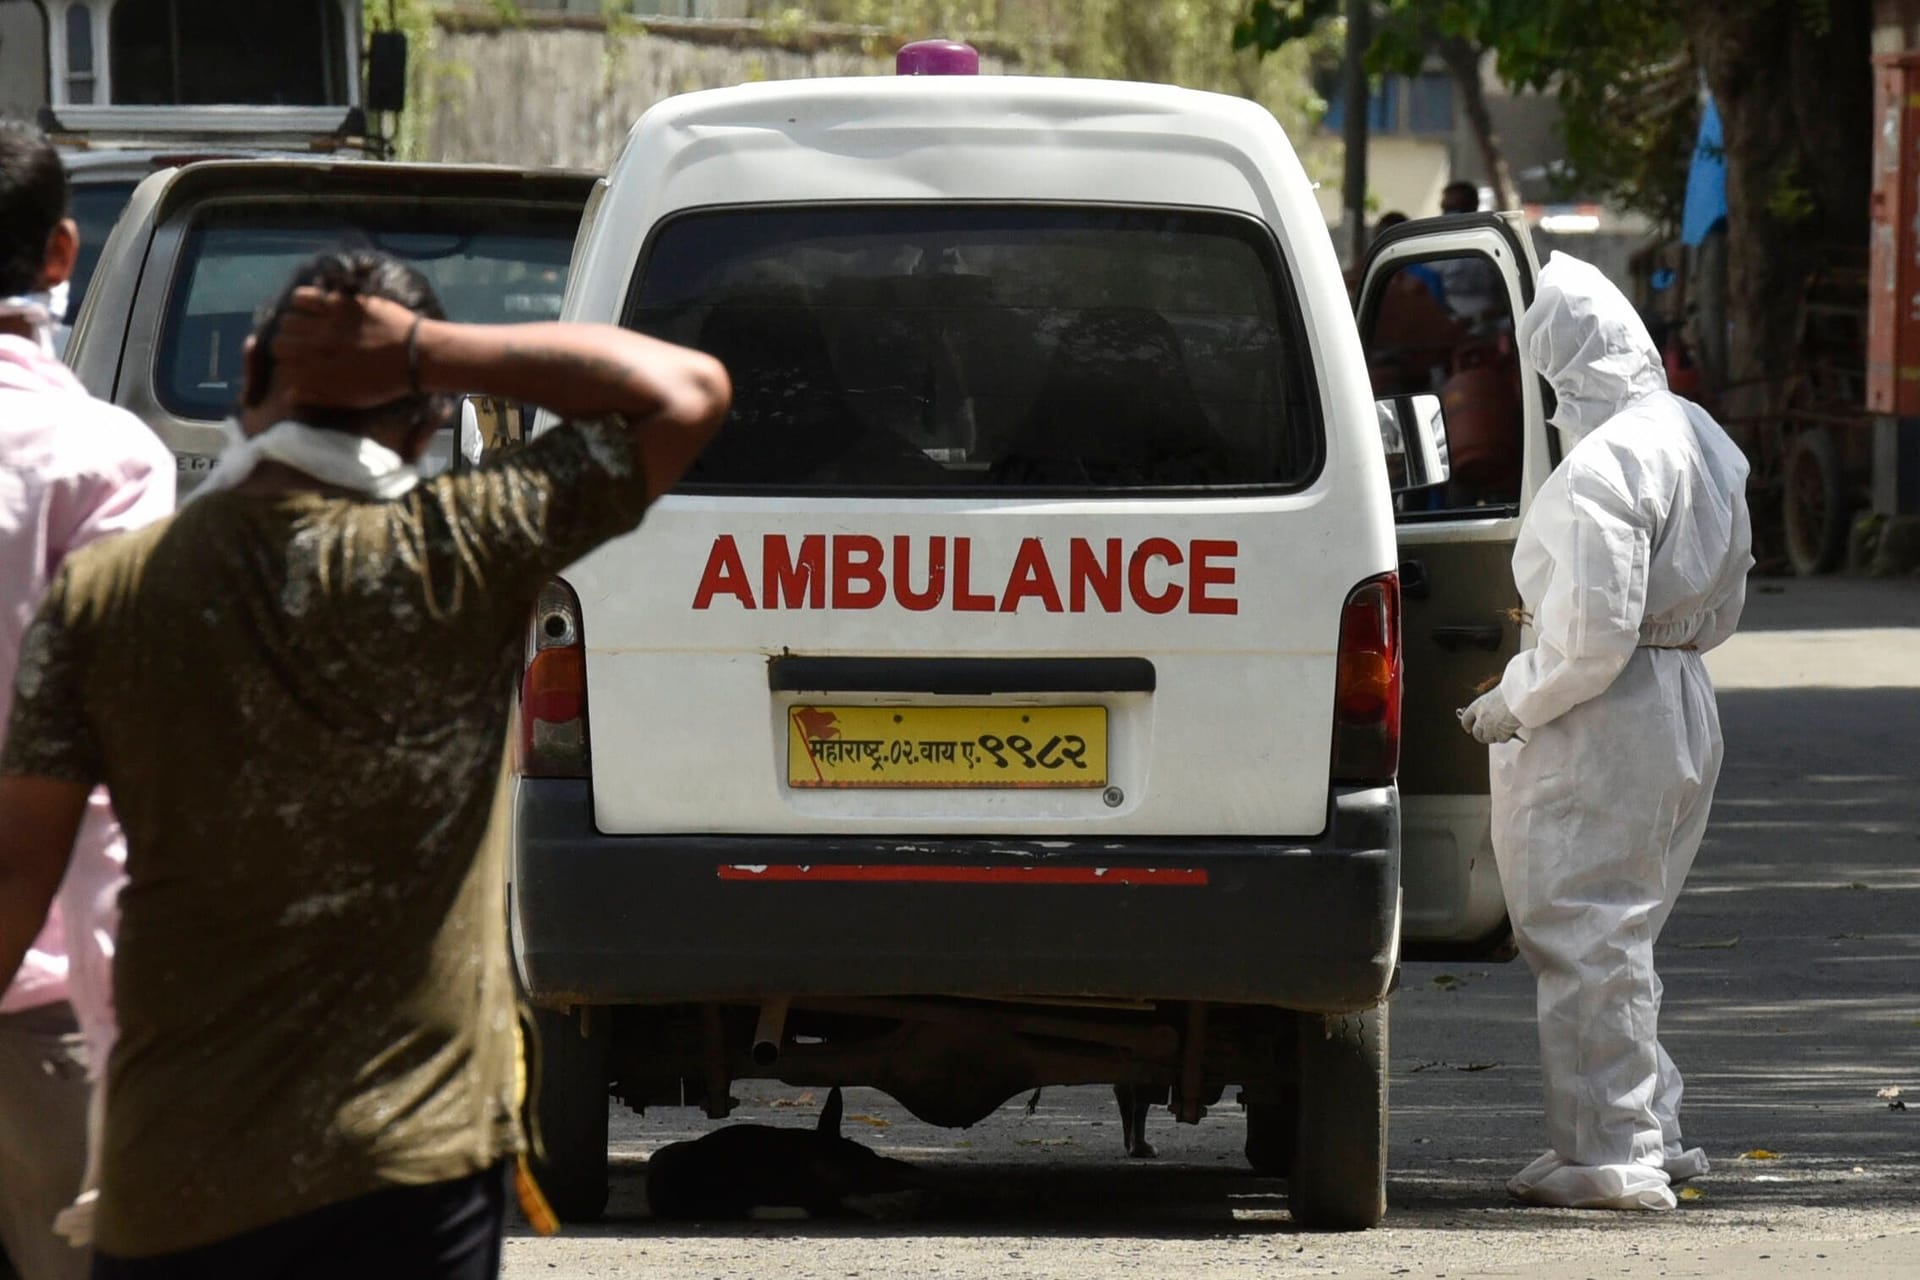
568,1094
1338,1181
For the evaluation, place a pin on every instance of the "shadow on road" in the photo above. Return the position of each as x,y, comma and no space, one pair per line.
1820,604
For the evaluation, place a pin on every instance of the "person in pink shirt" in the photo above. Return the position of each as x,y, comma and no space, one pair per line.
72,470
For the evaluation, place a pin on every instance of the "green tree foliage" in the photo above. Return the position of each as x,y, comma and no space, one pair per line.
1620,69
1626,81
1792,84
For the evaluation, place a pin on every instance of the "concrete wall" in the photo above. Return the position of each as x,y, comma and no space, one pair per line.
671,8
575,91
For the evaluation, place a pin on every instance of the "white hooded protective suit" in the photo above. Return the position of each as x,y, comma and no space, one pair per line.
1632,561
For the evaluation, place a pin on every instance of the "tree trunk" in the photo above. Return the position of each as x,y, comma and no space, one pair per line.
1462,58
1796,113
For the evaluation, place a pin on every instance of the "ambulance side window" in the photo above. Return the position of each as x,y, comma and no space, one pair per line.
1444,326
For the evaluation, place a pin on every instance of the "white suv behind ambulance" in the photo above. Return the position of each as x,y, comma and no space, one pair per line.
1016,691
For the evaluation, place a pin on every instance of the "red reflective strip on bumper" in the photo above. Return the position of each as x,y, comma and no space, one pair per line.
1178,877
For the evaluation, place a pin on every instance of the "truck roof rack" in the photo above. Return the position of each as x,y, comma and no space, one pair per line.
303,128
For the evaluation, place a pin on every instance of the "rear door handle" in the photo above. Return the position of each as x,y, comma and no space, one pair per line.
1454,639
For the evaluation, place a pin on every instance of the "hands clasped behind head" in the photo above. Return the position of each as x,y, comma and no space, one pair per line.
342,350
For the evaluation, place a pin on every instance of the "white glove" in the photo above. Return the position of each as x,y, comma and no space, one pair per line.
1488,719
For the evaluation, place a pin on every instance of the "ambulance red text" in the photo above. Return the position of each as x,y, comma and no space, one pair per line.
1065,575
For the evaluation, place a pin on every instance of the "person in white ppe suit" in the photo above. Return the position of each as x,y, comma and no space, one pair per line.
1631,562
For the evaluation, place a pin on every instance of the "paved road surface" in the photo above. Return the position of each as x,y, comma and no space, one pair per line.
1793,980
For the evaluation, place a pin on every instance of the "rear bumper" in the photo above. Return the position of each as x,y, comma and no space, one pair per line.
603,919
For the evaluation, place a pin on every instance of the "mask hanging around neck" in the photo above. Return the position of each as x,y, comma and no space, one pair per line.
336,458
38,309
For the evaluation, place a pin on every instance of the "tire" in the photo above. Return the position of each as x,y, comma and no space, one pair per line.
1339,1176
567,1101
1813,503
1272,1130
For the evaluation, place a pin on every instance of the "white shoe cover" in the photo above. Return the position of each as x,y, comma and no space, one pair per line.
1550,1180
1684,1165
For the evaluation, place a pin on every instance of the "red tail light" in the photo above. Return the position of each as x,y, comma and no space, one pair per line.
1366,700
553,690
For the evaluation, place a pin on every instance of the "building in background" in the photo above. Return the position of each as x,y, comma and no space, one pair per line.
1410,126
23,58
1421,139
128,86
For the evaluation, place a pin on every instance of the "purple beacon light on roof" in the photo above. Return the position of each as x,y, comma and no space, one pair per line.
937,58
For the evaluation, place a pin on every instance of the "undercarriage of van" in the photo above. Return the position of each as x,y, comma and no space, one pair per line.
1313,1086
951,1062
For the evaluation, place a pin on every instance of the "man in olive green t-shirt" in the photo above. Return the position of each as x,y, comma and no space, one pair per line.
297,690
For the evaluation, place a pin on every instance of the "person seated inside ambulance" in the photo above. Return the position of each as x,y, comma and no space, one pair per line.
1416,345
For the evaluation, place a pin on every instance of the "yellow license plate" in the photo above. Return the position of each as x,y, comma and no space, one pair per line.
946,746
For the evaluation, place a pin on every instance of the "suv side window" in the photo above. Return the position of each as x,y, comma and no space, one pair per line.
1445,326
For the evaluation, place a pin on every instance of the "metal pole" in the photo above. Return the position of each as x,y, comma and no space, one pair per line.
1353,89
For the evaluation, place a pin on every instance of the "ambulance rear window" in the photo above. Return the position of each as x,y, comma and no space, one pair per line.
970,348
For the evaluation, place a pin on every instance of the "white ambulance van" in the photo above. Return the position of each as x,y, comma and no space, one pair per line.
1040,681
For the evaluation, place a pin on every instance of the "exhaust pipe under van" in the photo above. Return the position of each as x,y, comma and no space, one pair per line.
769,1031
